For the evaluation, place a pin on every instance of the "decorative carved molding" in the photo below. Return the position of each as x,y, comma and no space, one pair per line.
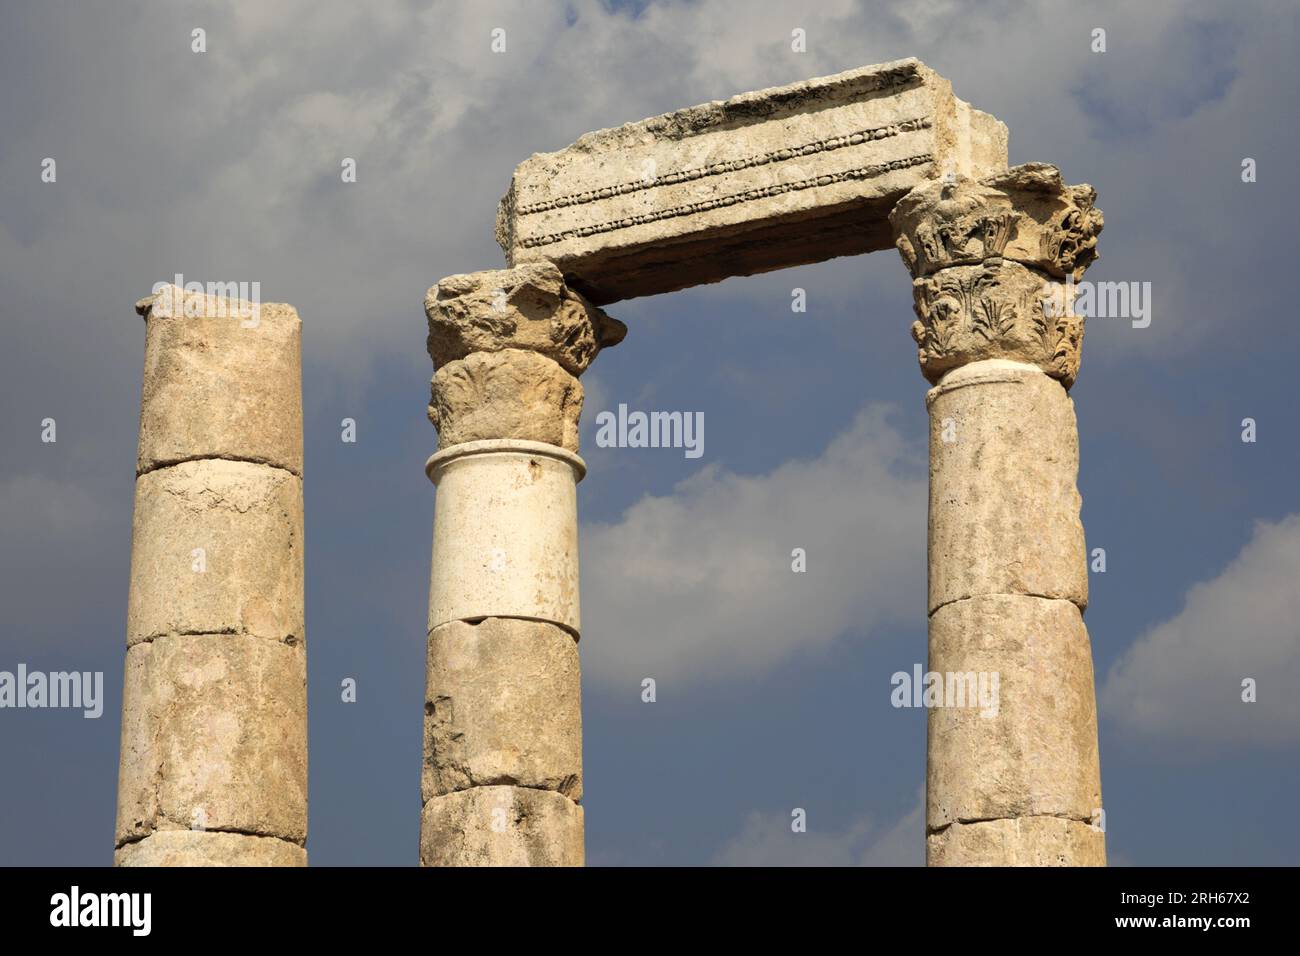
729,166
760,192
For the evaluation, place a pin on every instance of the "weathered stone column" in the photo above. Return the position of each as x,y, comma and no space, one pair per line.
993,264
502,776
214,713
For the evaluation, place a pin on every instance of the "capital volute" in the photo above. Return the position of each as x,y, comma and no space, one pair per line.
1026,214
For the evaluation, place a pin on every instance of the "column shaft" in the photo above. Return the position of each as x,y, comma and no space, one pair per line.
214,715
1018,783
503,723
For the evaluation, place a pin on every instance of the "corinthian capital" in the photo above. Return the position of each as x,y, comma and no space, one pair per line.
530,308
994,262
509,345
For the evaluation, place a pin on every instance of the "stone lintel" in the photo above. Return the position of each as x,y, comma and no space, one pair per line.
764,180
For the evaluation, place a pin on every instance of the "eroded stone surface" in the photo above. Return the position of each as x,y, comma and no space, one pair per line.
503,705
1034,751
501,826
1031,841
525,308
222,379
216,547
195,848
989,259
761,181
998,310
507,394
1026,214
214,737
1004,506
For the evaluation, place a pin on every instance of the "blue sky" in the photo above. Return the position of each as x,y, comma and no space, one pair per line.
773,688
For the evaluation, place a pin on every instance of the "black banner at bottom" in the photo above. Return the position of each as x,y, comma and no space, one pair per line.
337,905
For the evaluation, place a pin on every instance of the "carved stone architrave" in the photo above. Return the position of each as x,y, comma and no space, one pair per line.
765,180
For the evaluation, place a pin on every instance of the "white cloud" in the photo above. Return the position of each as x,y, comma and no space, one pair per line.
698,585
1181,682
903,844
766,839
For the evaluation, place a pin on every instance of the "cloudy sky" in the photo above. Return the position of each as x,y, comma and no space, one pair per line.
773,688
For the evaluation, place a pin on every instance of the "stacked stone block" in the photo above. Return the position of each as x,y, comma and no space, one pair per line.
213,765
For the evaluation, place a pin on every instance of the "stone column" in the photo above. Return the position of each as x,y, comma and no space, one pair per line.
214,713
502,775
994,263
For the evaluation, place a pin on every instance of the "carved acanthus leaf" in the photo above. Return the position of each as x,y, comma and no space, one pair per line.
997,310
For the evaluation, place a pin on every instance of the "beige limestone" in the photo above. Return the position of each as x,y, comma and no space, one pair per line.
1026,214
507,394
525,308
501,826
1028,841
1035,752
222,379
503,705
213,767
195,848
999,309
503,722
247,520
1004,507
213,737
761,181
988,258
505,533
